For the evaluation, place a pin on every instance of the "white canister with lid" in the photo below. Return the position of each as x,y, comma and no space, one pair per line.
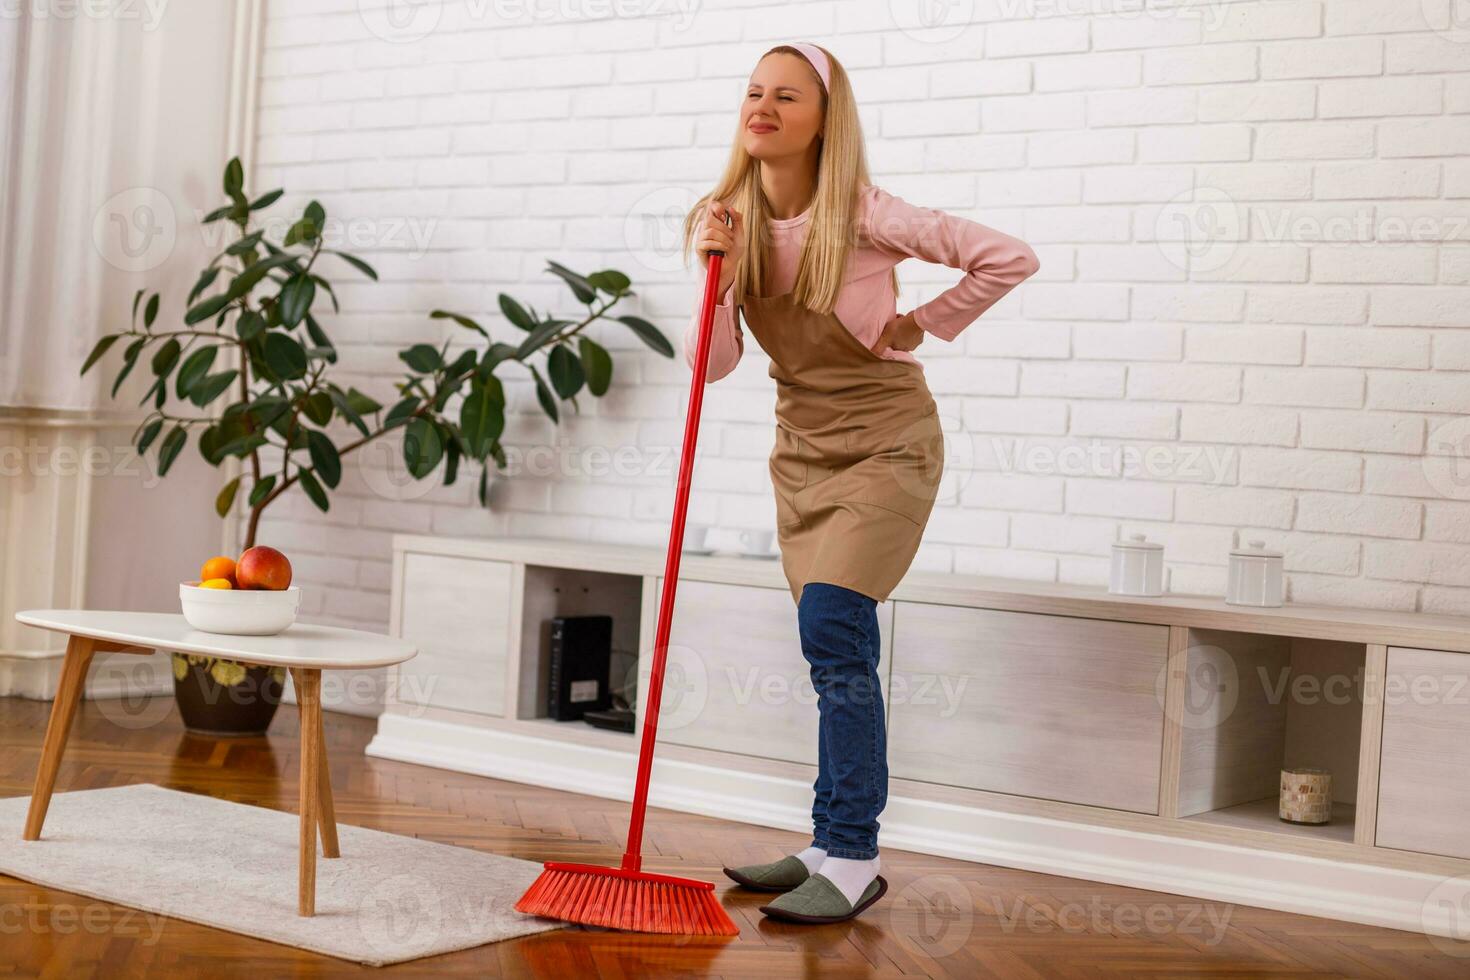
1137,568
1255,577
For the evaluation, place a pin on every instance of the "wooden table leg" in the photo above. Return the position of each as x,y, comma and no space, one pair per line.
79,650
308,699
326,812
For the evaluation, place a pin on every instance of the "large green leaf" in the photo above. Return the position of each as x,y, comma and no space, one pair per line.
482,416
98,350
565,371
581,288
226,498
545,397
285,357
313,490
463,321
266,200
324,457
209,387
150,312
206,279
597,362
357,264
318,407
245,281
150,432
649,334
130,357
173,443
166,356
610,281
207,308
516,313
422,448
261,490
249,325
195,366
536,338
296,297
234,176
423,358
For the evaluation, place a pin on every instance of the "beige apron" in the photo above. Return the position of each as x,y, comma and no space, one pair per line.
858,455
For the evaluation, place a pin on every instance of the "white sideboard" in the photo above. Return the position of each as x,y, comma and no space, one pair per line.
1049,727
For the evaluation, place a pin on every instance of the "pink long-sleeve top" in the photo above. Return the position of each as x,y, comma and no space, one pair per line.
890,230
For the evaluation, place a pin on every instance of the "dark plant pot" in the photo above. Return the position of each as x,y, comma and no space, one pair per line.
245,706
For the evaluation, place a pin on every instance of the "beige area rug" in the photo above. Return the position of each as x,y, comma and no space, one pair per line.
385,900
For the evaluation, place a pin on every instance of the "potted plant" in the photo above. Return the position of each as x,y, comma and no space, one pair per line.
249,372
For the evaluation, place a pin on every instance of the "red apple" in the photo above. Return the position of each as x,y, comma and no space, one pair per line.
263,568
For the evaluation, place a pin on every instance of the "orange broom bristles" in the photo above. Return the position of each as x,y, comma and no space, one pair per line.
618,899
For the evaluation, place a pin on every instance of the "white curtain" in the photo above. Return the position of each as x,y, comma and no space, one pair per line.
112,138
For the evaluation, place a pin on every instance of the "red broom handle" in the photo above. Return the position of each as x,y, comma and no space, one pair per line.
632,858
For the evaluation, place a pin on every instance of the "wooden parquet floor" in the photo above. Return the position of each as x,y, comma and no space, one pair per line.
941,918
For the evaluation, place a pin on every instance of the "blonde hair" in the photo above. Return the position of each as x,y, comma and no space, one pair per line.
842,172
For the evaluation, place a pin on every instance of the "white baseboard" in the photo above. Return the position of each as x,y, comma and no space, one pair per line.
35,675
1362,893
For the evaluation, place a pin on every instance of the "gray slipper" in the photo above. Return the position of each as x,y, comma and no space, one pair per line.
778,876
817,902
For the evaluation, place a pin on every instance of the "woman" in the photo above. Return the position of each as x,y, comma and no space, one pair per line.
811,252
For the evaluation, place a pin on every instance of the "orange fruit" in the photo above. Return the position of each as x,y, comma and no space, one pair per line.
216,583
218,567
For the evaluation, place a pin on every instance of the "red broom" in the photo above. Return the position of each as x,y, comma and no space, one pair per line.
626,897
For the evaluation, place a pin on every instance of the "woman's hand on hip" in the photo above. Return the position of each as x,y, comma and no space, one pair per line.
900,333
715,235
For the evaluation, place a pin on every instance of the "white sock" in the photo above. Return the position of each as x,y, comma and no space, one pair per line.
812,857
851,877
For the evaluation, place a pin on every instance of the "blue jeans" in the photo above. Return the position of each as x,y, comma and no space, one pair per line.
839,638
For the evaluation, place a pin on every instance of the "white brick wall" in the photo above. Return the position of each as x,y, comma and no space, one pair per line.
1251,319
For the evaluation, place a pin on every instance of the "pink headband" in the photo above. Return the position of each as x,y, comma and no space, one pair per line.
818,61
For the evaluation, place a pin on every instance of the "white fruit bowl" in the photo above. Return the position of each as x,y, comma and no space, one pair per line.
240,612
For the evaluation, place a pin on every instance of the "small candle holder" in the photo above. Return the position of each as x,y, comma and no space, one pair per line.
1306,796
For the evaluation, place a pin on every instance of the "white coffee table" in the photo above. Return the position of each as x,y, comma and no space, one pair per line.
304,649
